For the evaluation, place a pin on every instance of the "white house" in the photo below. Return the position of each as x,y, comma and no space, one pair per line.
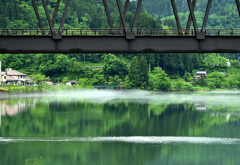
15,77
3,78
201,74
0,72
71,83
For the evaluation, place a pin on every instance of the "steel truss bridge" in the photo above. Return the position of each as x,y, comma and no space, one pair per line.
123,39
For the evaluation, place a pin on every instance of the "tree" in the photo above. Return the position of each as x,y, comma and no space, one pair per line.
98,79
235,63
134,75
114,80
217,78
38,78
143,71
65,80
138,73
211,85
158,80
114,66
188,77
84,82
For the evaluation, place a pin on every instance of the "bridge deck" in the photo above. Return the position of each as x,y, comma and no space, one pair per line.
119,44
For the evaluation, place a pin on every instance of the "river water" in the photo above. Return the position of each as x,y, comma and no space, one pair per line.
120,127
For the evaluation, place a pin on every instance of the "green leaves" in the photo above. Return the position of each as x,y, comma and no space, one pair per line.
38,78
114,66
158,80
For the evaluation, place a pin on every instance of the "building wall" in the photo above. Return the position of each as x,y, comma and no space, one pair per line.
0,72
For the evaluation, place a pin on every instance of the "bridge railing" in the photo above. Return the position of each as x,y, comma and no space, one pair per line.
223,32
93,32
162,32
117,32
27,32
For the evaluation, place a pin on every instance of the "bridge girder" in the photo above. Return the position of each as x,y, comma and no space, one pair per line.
119,44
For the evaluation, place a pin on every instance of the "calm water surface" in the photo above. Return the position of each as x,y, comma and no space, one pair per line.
116,128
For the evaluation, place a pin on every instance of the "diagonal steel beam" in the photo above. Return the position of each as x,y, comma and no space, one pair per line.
125,11
176,17
64,16
48,16
193,17
238,6
55,12
122,16
108,14
37,15
190,18
136,15
206,16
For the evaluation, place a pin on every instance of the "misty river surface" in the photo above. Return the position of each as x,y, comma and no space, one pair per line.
120,128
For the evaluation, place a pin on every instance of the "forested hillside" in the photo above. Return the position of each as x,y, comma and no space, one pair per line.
163,8
91,14
81,14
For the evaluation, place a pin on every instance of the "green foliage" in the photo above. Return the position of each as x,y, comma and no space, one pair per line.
217,78
138,72
188,77
235,63
158,80
114,80
134,75
65,80
38,78
114,66
84,82
211,85
200,81
98,79
127,83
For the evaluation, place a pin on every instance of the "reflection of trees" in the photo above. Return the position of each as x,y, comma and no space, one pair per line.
53,118
122,118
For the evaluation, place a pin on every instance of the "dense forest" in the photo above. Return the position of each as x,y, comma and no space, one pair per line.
91,14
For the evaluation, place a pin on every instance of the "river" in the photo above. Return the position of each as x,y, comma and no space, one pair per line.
120,127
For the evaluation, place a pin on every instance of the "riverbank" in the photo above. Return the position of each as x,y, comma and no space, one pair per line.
6,91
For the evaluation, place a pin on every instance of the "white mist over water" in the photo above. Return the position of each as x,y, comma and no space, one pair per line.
140,96
131,139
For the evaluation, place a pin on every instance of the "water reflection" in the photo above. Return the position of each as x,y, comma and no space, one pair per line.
119,130
123,117
201,106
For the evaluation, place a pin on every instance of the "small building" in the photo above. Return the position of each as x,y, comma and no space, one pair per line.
71,83
1,72
14,77
201,74
3,78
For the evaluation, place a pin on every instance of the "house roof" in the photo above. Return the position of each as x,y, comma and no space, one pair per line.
9,78
15,73
72,82
204,72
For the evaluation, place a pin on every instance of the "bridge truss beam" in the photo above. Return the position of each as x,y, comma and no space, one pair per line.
119,44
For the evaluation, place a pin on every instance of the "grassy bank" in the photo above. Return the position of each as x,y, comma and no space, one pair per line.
184,87
41,88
